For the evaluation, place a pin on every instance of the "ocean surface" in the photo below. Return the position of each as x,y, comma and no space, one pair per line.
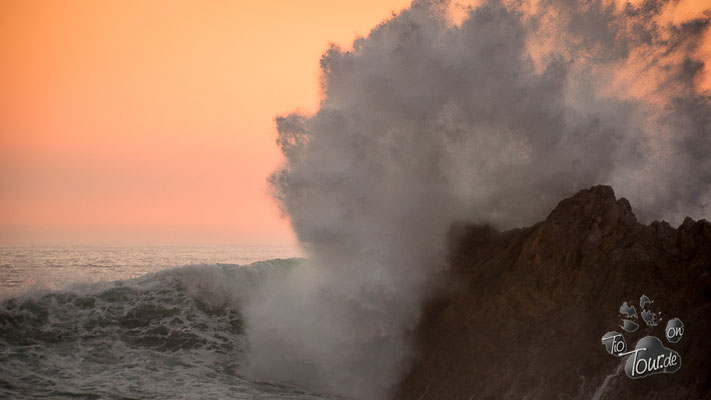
155,322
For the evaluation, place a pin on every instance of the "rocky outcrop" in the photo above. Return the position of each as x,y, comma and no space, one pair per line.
527,308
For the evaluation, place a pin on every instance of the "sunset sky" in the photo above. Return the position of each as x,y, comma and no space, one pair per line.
153,121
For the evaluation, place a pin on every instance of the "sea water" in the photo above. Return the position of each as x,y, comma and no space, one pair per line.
149,322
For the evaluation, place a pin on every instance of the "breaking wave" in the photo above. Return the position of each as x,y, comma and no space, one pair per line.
178,333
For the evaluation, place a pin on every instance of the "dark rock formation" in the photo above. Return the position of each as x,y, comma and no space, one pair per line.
527,308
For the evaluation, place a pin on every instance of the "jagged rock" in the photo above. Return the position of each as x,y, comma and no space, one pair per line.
527,307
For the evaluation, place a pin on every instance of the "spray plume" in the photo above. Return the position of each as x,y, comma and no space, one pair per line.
424,123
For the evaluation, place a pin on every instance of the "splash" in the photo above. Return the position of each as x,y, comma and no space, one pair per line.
492,119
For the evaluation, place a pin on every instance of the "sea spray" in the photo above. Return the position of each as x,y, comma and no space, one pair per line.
424,123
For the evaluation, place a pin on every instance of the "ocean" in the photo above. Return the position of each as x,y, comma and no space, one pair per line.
147,322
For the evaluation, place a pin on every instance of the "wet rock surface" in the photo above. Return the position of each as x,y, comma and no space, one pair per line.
525,309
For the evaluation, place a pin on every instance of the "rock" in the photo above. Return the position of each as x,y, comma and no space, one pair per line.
527,307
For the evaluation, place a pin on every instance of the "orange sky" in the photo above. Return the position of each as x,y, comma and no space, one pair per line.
152,121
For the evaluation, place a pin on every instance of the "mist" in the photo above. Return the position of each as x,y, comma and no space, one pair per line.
492,120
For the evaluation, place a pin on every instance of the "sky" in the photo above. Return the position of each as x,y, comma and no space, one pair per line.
152,122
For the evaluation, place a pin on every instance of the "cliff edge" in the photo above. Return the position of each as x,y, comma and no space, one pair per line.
526,308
